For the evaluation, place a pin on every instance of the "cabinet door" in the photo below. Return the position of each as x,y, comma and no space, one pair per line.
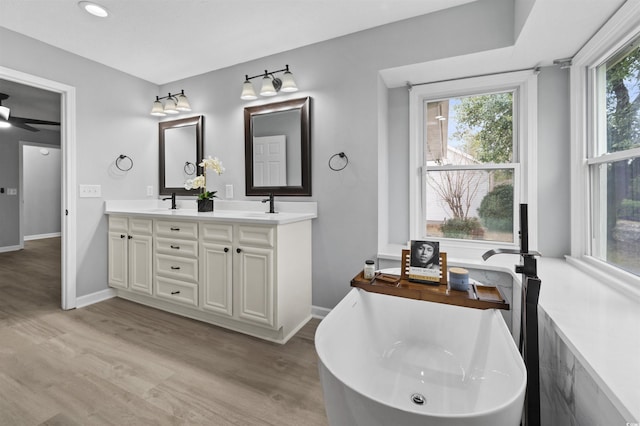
118,260
255,285
140,263
216,277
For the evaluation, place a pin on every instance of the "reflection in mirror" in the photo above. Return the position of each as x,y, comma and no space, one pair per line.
181,149
277,148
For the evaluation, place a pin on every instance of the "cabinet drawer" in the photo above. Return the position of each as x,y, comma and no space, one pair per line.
256,235
118,224
177,291
183,230
217,232
180,268
174,247
140,226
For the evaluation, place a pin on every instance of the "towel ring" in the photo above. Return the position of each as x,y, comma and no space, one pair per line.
122,157
340,155
189,168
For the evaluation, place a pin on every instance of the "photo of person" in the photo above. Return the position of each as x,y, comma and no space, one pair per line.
425,254
424,265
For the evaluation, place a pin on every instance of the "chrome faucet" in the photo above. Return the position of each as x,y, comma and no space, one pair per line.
271,203
173,200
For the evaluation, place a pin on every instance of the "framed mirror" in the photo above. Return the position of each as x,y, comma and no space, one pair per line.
181,149
277,142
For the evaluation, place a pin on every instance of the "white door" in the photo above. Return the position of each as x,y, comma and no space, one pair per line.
270,160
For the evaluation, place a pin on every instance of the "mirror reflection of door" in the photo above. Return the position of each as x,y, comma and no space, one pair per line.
285,124
270,160
179,150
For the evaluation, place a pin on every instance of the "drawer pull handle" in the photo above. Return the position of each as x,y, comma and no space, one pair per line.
175,229
226,249
238,250
175,292
175,247
175,267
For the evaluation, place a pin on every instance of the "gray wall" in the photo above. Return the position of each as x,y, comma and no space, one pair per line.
112,118
10,177
342,77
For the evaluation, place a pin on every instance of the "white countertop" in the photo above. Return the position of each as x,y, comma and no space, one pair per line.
224,211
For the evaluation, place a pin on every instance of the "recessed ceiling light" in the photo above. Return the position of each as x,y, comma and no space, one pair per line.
94,9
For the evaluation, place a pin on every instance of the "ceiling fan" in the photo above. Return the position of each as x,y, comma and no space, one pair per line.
6,120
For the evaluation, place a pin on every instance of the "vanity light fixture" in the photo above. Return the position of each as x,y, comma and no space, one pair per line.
174,104
93,9
4,115
271,85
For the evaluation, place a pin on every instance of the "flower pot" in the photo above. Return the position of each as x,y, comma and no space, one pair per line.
205,205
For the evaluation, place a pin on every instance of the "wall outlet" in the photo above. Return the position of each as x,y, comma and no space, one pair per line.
228,192
12,191
90,191
150,190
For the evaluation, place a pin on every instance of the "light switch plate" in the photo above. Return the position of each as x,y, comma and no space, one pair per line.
12,191
149,190
228,192
90,191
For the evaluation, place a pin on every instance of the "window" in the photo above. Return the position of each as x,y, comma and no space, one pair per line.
470,167
473,152
613,159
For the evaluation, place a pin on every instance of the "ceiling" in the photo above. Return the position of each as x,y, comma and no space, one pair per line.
167,40
198,36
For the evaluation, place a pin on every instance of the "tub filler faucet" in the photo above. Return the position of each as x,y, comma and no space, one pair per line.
528,344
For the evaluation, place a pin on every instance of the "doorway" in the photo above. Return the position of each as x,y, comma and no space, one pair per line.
68,181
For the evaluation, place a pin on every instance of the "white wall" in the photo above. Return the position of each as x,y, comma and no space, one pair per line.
41,190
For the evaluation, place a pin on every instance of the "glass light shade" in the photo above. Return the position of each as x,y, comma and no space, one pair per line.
248,94
288,83
267,87
94,9
157,109
170,106
4,123
183,103
4,112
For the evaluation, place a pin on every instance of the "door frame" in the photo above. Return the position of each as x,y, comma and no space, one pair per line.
69,196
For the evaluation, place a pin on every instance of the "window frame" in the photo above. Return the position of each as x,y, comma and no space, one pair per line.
586,131
524,86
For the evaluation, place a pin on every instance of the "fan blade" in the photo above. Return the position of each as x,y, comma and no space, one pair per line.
21,125
13,119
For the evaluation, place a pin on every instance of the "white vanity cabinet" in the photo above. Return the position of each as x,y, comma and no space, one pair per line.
254,278
130,254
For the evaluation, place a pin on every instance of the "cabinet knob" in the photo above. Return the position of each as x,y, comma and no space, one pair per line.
175,292
129,237
238,250
175,267
122,235
175,247
226,249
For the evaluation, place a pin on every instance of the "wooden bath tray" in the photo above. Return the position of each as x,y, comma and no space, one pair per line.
478,296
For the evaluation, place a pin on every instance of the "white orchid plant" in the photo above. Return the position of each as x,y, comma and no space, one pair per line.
200,181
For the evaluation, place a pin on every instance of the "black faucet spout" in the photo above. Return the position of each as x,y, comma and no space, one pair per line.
173,200
271,202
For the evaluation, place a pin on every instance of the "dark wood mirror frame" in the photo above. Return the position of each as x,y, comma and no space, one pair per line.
198,122
302,104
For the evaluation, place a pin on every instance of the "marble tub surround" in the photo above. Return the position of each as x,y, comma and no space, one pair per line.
224,210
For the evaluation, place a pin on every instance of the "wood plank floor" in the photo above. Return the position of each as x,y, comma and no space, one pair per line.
120,363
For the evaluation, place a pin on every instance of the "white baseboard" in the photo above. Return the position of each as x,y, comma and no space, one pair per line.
42,236
98,296
10,248
319,312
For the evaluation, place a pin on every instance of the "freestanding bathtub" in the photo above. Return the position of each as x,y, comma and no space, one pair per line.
391,361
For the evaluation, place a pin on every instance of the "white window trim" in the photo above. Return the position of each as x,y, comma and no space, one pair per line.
527,105
617,32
